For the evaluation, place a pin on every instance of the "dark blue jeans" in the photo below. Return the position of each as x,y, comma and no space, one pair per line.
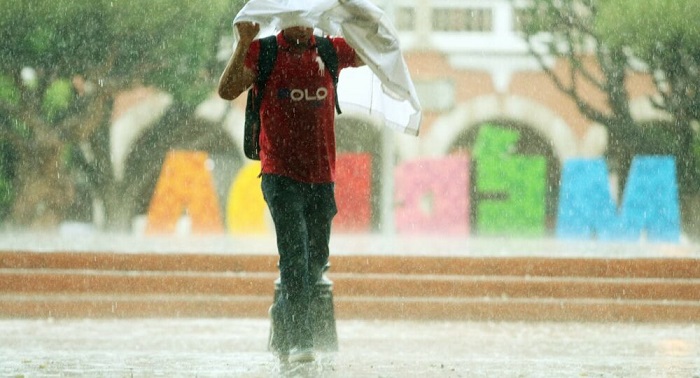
302,214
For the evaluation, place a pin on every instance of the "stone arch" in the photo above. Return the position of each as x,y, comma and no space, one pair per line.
642,109
230,115
543,133
133,122
177,129
485,108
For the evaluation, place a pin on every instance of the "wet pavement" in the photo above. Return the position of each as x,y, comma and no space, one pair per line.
202,347
367,348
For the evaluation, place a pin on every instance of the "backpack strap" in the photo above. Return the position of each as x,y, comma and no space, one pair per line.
327,52
251,133
266,62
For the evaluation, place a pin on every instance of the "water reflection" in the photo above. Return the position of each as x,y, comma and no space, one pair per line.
675,354
324,366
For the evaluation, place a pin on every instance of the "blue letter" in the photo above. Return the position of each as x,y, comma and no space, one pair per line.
586,207
650,201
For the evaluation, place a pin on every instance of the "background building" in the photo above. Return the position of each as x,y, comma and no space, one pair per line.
470,67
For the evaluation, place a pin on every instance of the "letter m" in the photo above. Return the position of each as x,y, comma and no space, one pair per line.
650,201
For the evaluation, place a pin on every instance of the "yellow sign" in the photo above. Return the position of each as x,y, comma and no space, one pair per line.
246,209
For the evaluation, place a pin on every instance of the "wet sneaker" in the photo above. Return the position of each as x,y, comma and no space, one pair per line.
276,343
271,337
301,355
282,357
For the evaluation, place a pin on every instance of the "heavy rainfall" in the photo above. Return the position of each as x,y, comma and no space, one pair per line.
517,186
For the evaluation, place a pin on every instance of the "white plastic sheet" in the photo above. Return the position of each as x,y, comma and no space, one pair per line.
385,88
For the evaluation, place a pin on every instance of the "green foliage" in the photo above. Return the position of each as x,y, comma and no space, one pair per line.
117,42
8,91
45,34
19,128
661,139
112,46
666,36
6,196
6,171
176,39
565,22
647,25
57,98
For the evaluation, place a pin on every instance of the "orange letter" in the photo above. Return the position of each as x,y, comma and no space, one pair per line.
185,185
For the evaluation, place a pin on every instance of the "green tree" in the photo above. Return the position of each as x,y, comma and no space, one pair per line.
63,62
6,169
665,36
572,31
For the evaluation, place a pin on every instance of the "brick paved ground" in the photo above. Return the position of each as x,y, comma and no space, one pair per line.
204,347
237,348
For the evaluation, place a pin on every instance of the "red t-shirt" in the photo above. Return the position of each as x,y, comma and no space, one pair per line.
297,113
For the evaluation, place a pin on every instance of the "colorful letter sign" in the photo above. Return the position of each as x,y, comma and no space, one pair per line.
650,202
185,185
433,196
353,192
510,189
586,206
246,209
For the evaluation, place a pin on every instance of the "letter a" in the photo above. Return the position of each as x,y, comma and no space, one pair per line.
185,184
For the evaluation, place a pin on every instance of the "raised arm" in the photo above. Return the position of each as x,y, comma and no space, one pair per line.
236,77
358,61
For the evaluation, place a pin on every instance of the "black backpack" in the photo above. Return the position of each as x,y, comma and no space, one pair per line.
266,62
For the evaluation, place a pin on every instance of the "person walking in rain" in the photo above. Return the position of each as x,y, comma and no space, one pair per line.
297,154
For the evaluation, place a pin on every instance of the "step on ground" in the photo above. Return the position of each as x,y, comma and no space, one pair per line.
108,284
